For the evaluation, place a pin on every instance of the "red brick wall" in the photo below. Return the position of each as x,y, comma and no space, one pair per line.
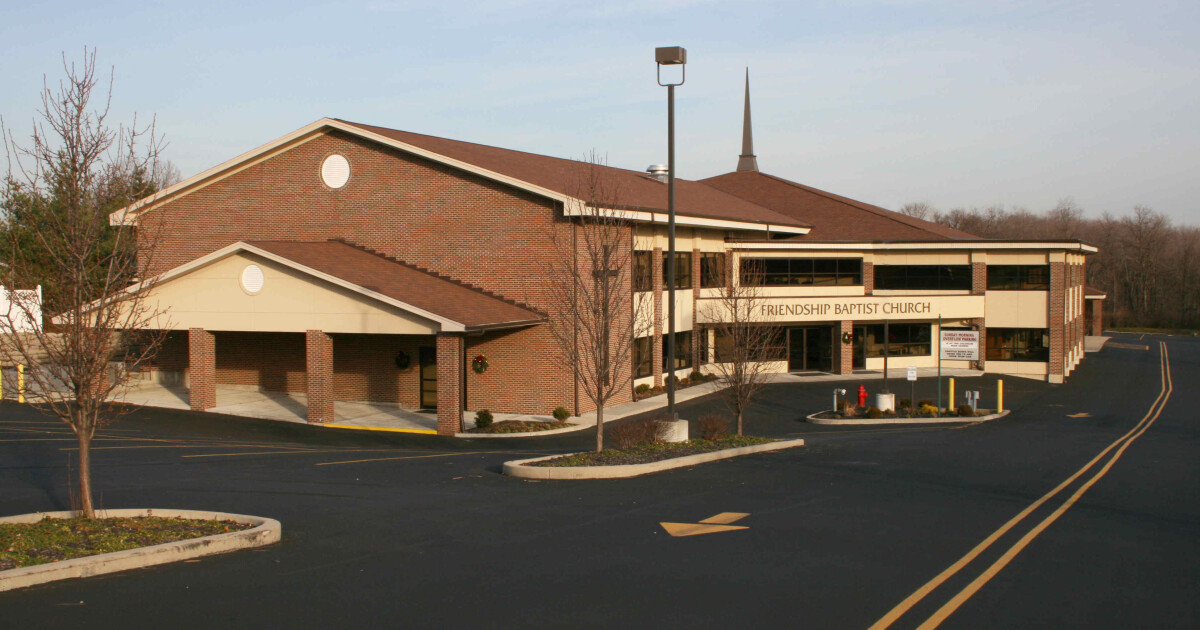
364,368
450,383
201,350
978,278
843,352
868,278
1058,283
465,227
270,361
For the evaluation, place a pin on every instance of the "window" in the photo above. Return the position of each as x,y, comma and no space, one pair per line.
703,345
683,270
905,340
1018,344
712,270
643,356
801,271
923,277
1018,277
643,275
683,350
774,350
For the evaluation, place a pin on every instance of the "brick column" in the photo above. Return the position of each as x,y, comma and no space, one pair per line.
843,352
656,269
1097,317
1057,321
868,278
202,369
319,376
450,382
982,342
978,278
695,305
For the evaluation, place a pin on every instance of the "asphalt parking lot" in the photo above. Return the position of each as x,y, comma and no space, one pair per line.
418,531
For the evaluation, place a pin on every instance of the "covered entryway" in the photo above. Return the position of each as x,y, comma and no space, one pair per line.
326,323
810,349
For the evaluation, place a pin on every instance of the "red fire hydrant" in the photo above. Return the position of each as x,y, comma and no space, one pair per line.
862,396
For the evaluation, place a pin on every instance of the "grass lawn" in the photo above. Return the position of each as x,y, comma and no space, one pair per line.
652,452
54,539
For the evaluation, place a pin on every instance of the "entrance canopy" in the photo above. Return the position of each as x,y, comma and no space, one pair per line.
332,286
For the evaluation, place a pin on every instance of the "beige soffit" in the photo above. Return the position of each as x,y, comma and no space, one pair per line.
576,208
129,214
448,325
963,245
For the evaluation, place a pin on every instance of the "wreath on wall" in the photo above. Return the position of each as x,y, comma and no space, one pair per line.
402,360
479,364
847,338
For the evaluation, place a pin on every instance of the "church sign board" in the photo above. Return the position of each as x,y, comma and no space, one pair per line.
960,345
853,308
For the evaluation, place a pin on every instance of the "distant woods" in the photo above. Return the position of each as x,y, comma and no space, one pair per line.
1147,266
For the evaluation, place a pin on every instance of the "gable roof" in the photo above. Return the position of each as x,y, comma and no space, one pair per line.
545,176
833,217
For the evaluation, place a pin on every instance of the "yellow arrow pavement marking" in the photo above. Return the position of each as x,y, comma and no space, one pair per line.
1082,414
710,525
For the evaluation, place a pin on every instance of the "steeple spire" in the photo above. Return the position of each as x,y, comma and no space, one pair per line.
747,161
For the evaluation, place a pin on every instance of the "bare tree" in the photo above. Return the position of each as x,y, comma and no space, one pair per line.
62,186
744,339
918,210
594,312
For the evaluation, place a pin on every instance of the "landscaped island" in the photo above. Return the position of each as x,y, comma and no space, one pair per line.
652,452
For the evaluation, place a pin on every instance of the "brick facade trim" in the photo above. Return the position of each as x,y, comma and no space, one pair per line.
319,376
202,369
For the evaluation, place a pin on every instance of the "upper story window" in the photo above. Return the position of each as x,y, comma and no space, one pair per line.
1018,277
773,272
712,270
683,270
923,277
643,274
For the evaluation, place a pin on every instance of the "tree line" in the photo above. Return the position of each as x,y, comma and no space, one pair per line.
1146,264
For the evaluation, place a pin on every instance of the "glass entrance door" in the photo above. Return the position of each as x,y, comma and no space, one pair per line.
810,349
428,372
860,348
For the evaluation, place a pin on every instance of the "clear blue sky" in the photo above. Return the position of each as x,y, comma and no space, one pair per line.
955,103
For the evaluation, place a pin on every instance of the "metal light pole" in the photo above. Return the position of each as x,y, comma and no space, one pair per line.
671,56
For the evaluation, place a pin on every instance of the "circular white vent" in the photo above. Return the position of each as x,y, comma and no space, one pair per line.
335,171
252,279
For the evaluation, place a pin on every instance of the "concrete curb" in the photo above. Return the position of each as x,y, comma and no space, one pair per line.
265,532
520,468
571,429
901,421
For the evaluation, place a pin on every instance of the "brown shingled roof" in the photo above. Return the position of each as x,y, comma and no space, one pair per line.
472,307
638,190
833,217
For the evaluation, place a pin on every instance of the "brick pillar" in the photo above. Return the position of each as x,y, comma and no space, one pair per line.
868,278
450,382
1057,321
844,352
978,278
656,269
319,376
202,369
1097,317
982,342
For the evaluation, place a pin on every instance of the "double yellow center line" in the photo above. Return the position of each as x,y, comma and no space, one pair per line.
955,602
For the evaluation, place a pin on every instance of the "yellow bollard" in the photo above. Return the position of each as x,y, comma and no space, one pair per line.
951,406
20,382
999,396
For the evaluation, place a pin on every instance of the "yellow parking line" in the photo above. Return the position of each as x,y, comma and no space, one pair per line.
184,445
913,599
388,459
295,452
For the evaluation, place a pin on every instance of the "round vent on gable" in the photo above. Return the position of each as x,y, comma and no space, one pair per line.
335,171
252,279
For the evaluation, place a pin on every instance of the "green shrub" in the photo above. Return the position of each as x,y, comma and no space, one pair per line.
642,389
965,411
712,427
697,376
684,382
925,402
625,435
929,411
906,403
483,418
561,414
873,412
848,409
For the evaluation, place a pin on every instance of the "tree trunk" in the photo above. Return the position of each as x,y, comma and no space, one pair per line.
739,421
86,508
599,428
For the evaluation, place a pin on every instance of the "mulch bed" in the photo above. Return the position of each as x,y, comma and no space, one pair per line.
54,539
520,426
652,452
863,415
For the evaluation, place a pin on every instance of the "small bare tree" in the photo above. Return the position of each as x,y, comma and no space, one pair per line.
62,185
594,312
744,339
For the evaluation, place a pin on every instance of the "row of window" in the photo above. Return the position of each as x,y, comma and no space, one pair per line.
902,340
774,272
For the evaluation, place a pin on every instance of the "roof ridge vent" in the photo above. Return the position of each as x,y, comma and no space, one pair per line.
658,171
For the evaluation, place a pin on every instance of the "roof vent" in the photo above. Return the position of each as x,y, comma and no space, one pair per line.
658,171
